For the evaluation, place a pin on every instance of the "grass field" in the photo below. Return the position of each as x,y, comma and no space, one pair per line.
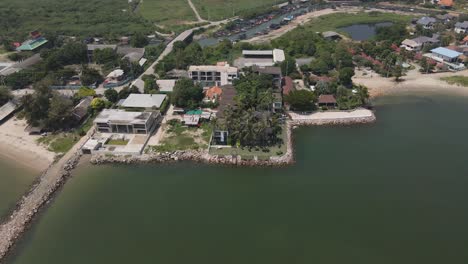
458,80
180,137
221,9
167,12
338,20
70,17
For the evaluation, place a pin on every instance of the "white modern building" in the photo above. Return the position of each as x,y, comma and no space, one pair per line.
211,75
143,101
123,122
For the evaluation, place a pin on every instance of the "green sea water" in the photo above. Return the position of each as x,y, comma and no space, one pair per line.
390,192
15,180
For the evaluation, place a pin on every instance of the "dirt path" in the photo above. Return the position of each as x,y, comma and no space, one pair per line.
200,19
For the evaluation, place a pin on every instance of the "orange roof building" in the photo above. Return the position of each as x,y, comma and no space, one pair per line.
446,3
214,93
465,40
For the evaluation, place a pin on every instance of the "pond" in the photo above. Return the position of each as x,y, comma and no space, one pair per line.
363,31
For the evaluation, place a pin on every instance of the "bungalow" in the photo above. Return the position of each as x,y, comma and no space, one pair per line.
327,100
416,44
461,27
143,101
331,35
121,121
446,18
444,54
114,78
426,22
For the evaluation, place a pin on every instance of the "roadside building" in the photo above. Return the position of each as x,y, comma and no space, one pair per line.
461,27
427,22
210,75
36,40
143,101
166,86
121,121
260,58
327,100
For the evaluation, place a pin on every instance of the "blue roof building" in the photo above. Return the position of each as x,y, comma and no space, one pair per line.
445,54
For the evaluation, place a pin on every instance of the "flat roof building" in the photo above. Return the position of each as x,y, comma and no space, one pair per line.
146,101
210,75
121,121
166,86
445,54
260,58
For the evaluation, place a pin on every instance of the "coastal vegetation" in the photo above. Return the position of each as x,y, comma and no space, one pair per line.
167,12
458,80
221,9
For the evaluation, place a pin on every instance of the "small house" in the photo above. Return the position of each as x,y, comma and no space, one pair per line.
327,100
213,94
331,35
426,22
461,27
166,86
446,4
444,54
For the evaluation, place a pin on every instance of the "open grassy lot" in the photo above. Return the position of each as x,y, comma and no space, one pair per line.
250,153
338,20
221,9
70,17
458,80
167,12
180,137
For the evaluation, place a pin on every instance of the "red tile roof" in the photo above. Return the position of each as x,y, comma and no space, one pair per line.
446,2
214,92
288,85
327,99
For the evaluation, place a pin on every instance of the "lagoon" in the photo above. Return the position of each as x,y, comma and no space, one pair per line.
363,31
389,192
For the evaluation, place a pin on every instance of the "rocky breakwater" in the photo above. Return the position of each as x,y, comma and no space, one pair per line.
191,155
358,116
39,195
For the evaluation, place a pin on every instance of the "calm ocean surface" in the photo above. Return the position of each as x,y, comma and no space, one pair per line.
390,192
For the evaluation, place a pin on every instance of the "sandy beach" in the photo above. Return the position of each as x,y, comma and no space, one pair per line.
18,146
414,81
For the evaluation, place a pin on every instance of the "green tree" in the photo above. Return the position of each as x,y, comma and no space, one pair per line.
139,40
345,76
5,95
126,91
186,94
301,100
105,56
111,95
85,91
98,104
36,105
59,115
90,76
288,66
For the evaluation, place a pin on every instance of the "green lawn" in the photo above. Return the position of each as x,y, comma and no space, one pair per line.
221,9
59,143
261,153
117,142
338,20
167,12
458,80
